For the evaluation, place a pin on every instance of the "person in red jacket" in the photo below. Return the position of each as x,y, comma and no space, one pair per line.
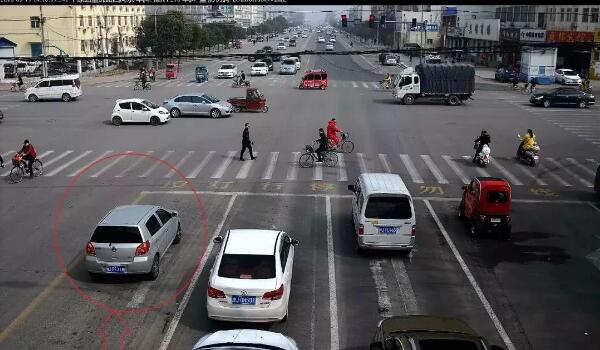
332,130
29,154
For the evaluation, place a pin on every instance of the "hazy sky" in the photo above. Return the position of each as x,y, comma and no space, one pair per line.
315,17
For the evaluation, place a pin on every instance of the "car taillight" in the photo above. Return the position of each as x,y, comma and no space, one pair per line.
215,293
361,229
274,294
142,249
482,218
413,232
89,248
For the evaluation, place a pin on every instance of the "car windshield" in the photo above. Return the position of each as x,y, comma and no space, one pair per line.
393,207
447,344
211,98
116,234
247,266
497,196
150,104
568,72
259,65
227,66
289,62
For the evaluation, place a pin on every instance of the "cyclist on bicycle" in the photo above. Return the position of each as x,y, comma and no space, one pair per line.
515,81
322,145
387,80
533,84
332,130
29,154
20,81
143,77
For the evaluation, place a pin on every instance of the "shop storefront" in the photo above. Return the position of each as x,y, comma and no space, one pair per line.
574,49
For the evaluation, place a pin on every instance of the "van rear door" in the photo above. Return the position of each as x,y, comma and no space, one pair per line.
388,219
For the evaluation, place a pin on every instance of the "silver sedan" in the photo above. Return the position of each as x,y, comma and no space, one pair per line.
193,104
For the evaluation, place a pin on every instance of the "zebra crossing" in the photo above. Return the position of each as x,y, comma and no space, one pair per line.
275,166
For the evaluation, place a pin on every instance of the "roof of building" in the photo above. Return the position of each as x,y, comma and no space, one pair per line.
6,43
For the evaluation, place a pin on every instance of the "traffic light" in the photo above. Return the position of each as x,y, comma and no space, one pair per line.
344,21
371,21
382,21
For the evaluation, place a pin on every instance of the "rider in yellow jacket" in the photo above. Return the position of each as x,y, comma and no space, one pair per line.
528,141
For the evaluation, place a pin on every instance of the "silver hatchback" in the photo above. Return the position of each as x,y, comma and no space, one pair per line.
132,239
197,104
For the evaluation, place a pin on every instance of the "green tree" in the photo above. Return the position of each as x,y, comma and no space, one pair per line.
170,36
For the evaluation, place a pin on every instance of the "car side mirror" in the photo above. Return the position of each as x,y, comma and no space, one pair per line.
295,241
218,239
496,347
352,188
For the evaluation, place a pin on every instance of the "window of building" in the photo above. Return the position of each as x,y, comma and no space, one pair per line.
35,22
568,15
584,15
81,21
498,9
83,46
98,21
594,17
430,41
562,14
119,17
575,14
517,13
90,21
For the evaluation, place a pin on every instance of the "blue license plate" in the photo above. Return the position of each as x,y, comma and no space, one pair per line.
115,269
241,300
388,230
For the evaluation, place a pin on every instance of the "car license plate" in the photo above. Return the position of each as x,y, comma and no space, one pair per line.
495,220
115,269
388,230
242,300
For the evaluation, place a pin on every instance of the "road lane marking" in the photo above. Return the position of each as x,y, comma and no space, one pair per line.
531,175
65,165
581,166
570,172
365,85
292,173
342,174
383,299
201,166
511,178
133,165
361,163
554,176
478,169
375,85
5,154
409,300
110,165
318,172
385,163
88,164
456,169
156,164
57,158
434,169
410,167
224,165
268,174
245,169
354,84
194,281
139,296
484,301
333,310
180,164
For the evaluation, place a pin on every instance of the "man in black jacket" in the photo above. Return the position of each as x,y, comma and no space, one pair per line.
483,139
322,145
246,143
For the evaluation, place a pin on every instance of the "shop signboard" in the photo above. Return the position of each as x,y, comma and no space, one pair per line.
509,34
532,35
554,36
597,35
483,29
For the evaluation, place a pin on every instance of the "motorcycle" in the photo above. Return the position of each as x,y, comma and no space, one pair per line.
531,156
483,158
237,83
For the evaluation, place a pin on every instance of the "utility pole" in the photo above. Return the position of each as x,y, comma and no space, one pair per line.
44,63
155,34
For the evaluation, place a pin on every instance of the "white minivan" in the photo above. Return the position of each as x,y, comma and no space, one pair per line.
63,87
383,212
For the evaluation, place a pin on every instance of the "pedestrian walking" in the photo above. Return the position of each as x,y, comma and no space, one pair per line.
246,143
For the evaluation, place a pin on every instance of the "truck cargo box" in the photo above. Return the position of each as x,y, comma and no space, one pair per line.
442,79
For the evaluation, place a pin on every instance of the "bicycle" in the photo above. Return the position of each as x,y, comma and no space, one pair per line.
20,169
138,86
308,159
384,84
527,89
345,146
16,88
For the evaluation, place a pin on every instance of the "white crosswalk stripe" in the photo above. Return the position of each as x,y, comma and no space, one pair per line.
201,166
224,165
155,164
110,165
527,172
134,164
570,172
374,85
365,85
88,164
383,159
434,169
57,158
5,154
410,167
65,165
553,175
268,174
180,164
456,169
479,170
342,174
361,163
245,169
318,172
354,84
292,172
507,174
581,166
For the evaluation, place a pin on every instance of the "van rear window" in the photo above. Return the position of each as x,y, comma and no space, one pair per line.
116,234
388,208
246,266
497,196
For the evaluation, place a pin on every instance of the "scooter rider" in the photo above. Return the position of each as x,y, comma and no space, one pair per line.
242,78
527,142
483,139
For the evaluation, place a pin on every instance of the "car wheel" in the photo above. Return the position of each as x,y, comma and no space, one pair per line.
237,109
155,269
582,104
546,103
177,238
33,98
215,113
154,121
116,120
408,100
265,109
175,113
453,100
322,87
66,97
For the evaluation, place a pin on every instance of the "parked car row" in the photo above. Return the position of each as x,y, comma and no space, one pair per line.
561,76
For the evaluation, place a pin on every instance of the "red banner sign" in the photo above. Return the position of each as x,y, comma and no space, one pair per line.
553,36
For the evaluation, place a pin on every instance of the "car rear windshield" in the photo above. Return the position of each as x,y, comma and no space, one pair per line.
289,62
260,65
447,344
568,72
388,208
116,234
245,266
497,196
227,66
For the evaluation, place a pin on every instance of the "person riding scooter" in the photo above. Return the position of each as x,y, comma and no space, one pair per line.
483,139
528,142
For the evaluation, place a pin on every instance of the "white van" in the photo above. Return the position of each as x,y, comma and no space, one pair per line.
383,212
63,87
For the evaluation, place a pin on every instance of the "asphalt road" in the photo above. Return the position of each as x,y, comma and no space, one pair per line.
539,288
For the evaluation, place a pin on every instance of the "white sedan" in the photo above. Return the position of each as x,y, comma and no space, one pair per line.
251,278
227,71
137,110
332,40
259,68
281,46
567,76
246,339
329,47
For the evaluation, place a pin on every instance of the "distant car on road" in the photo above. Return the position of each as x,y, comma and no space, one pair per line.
288,66
281,46
391,60
567,77
427,332
132,239
321,39
251,278
329,47
268,49
197,104
269,62
332,39
137,110
292,42
505,75
227,71
564,96
259,68
247,339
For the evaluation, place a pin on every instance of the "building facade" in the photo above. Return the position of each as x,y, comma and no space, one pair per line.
81,31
